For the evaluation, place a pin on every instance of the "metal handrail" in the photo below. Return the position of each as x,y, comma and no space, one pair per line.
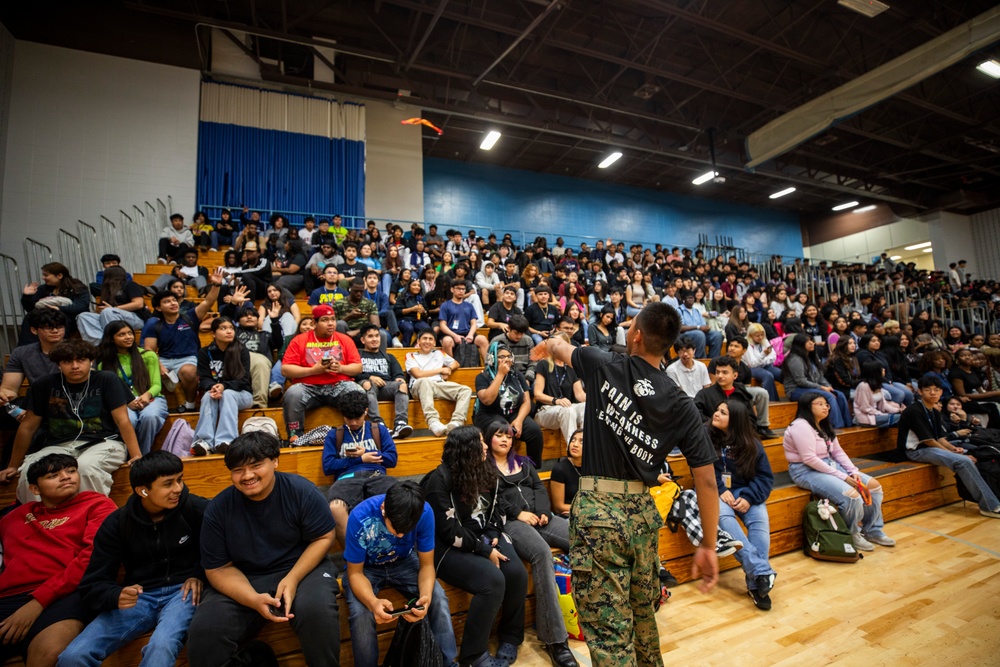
88,239
71,253
109,235
35,258
161,213
133,245
10,313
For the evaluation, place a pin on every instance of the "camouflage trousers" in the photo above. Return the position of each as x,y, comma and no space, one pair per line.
614,557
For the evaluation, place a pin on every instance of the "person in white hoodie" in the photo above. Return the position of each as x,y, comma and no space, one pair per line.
761,358
174,240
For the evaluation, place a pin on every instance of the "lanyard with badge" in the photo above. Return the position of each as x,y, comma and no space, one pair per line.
727,477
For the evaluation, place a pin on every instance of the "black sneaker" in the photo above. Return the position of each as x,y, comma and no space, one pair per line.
765,582
402,430
767,433
221,448
667,579
760,601
726,544
200,448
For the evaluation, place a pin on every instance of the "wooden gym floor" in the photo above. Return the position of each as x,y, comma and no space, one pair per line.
934,599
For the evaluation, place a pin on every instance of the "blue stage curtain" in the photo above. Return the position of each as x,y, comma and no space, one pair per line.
271,170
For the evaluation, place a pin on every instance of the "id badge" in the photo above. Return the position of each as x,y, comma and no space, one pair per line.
727,479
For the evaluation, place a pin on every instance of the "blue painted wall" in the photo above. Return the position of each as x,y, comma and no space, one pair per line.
510,200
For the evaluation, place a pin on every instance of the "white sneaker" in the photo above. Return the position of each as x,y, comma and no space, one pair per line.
437,428
880,539
396,342
160,260
994,514
170,381
861,544
451,426
275,390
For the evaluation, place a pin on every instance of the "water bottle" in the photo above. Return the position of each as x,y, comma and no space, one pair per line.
15,411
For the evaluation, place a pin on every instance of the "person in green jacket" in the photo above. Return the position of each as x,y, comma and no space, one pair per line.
139,370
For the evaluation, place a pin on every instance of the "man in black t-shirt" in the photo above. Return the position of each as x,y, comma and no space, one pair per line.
499,314
635,415
923,436
264,542
80,413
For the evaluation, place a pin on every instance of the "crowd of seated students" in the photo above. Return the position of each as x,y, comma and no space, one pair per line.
98,407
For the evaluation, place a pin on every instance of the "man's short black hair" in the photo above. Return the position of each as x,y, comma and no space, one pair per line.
176,216
110,257
48,464
350,244
426,332
659,324
518,323
307,219
365,329
160,296
353,404
729,362
859,323
71,350
152,466
457,282
189,251
567,318
46,318
253,447
739,339
294,246
928,381
684,343
404,505
371,272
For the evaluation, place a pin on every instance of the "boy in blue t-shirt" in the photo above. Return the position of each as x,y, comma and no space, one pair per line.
457,320
330,290
390,543
356,455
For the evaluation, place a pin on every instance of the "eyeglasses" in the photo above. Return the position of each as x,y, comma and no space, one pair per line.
504,356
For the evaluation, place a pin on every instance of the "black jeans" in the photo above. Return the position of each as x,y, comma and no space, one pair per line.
169,251
531,435
221,625
490,587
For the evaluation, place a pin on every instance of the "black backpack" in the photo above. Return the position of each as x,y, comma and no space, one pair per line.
988,465
413,645
255,653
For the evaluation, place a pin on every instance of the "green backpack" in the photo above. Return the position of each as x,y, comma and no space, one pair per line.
825,533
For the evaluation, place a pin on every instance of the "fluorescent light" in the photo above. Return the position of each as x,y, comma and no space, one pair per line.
895,257
928,249
865,209
705,178
918,246
782,193
609,160
991,67
490,140
841,207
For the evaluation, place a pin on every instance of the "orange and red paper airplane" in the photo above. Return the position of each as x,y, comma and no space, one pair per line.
422,121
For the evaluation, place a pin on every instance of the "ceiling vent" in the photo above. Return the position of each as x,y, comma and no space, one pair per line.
869,8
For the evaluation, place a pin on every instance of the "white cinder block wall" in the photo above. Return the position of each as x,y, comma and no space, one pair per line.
90,134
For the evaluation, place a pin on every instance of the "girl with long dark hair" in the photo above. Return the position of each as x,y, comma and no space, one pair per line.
224,377
870,348
502,392
59,290
871,407
743,475
472,552
121,299
802,372
279,304
411,313
817,463
534,531
566,475
842,370
139,370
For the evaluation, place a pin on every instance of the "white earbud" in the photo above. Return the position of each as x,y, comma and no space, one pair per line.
145,493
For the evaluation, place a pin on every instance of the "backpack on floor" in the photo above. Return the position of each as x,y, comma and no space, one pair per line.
826,535
988,465
413,645
179,439
467,355
260,423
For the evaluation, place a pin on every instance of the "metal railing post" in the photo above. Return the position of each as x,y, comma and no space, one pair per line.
71,254
36,255
9,305
88,240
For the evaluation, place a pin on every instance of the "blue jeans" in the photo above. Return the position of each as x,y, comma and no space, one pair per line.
148,422
886,420
160,609
401,575
767,376
840,413
276,376
409,328
225,237
700,339
835,490
218,421
753,555
964,468
898,392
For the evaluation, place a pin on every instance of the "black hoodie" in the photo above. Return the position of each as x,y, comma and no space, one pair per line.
154,555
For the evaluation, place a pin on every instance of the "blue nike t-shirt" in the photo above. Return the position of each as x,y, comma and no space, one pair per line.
369,542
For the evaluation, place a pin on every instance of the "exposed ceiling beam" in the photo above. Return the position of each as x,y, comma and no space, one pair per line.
427,33
554,4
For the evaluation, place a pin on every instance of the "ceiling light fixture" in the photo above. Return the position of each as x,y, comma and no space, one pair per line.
917,246
841,207
705,178
609,160
990,67
490,140
865,209
895,257
782,193
928,249
869,8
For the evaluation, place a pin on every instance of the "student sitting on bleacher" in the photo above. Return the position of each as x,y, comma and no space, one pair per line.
390,544
58,290
356,311
30,362
520,344
687,372
187,271
121,299
155,537
457,321
871,407
291,269
224,380
107,261
429,370
325,257
802,373
173,335
386,315
357,456
139,371
279,304
761,357
46,545
330,290
224,232
264,542
817,463
559,394
81,413
923,436
533,530
728,387
761,398
383,379
472,552
322,365
503,393
499,315
566,475
411,312
174,240
743,475
261,344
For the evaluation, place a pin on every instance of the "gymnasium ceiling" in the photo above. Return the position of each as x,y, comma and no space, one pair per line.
569,81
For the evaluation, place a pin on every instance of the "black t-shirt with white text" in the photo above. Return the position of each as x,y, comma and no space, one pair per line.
66,408
635,415
916,425
498,313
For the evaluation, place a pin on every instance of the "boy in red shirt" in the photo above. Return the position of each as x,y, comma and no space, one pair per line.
46,548
322,365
